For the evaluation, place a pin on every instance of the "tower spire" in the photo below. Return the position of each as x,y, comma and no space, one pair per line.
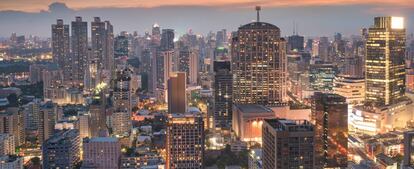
258,8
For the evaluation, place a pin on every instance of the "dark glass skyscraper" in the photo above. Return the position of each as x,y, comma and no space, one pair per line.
223,91
330,116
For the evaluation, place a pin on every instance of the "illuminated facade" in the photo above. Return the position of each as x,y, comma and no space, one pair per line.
62,150
321,76
121,117
384,63
330,117
185,141
259,65
101,152
248,119
408,149
353,89
288,144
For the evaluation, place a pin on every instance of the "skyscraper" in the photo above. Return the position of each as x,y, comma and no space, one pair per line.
7,145
164,69
188,62
121,46
177,98
288,144
185,141
330,115
101,152
384,63
259,64
121,117
47,121
103,44
60,48
223,91
296,42
167,39
62,150
98,113
79,46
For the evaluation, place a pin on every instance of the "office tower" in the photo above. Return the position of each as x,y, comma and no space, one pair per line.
384,63
221,38
223,91
295,42
97,109
177,98
330,116
101,152
121,117
185,141
247,121
7,145
309,45
188,63
121,46
408,160
11,122
323,49
62,150
47,121
167,39
321,76
156,35
60,47
103,44
194,66
79,48
164,68
259,64
352,88
288,144
354,67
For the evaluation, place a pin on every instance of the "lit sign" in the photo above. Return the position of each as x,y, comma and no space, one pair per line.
397,22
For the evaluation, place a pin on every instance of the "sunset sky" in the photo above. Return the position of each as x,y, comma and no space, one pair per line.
314,17
38,5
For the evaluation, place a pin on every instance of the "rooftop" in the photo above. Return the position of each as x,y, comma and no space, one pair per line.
253,108
290,125
103,139
258,25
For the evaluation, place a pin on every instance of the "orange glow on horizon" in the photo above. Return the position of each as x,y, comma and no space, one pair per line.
39,5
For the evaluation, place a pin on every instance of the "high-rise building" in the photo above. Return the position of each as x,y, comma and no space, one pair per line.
384,63
188,63
223,91
53,81
164,69
321,76
79,48
259,64
167,39
323,49
103,44
185,141
62,150
47,121
177,98
121,46
288,144
60,47
330,117
7,145
352,88
101,152
121,117
12,122
97,109
408,160
296,42
11,162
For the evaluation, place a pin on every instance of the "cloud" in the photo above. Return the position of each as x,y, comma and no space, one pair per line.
39,5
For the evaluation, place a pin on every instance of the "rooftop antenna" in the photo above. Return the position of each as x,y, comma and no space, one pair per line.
258,8
294,28
297,29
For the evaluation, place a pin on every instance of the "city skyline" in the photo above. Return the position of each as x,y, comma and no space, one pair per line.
348,18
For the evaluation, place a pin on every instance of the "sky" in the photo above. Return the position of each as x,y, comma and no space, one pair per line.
313,17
